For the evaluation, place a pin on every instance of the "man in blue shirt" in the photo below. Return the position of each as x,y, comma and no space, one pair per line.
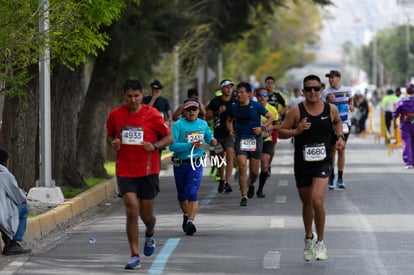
247,131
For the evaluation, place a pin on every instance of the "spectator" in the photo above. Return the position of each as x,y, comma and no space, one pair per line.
14,210
158,101
405,110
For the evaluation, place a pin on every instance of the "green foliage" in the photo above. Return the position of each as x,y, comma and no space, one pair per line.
110,168
273,47
70,192
74,33
392,54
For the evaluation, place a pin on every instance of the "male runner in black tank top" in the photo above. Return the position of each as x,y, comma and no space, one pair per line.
311,124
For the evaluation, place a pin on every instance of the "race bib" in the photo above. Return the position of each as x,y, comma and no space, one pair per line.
194,136
132,135
345,128
248,144
314,152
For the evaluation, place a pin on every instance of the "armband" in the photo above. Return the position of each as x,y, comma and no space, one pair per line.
341,136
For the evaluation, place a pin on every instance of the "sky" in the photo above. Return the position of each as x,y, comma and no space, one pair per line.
355,21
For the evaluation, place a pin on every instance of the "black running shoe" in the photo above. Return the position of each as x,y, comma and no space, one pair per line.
220,188
227,188
260,194
190,229
243,202
250,192
185,219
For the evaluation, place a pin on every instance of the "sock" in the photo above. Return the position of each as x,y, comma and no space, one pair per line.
262,180
340,173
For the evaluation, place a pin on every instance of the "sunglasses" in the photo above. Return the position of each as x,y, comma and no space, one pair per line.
310,88
262,95
191,109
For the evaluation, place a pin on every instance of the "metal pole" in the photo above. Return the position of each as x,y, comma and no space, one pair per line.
45,179
176,94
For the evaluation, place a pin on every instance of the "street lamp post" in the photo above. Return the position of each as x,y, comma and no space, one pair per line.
45,190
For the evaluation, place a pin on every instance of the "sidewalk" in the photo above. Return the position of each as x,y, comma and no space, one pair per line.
41,225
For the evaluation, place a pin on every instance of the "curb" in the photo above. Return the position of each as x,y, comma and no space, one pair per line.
40,226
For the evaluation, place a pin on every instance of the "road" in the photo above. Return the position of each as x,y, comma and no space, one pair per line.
369,227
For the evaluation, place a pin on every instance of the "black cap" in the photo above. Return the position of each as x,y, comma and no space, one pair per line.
333,73
156,84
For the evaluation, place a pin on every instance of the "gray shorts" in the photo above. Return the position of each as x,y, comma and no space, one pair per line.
226,142
257,154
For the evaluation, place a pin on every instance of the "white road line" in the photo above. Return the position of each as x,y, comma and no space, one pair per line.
281,199
271,260
277,223
283,182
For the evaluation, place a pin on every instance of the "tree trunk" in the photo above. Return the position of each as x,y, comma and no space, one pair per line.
66,98
104,93
20,132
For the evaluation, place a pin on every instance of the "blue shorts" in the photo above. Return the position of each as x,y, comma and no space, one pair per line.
187,181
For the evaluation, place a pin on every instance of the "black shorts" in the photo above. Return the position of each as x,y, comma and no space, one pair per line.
250,154
305,173
268,147
334,138
146,187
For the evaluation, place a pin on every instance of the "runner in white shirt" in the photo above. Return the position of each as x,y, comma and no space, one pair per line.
341,96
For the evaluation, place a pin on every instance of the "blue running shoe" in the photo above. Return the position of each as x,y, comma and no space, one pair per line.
341,184
134,263
331,185
149,245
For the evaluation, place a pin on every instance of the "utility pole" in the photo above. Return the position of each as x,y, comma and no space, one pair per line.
45,190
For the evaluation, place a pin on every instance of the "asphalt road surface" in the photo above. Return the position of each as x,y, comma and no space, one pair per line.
369,227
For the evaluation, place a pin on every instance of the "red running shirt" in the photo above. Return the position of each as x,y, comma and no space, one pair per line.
133,160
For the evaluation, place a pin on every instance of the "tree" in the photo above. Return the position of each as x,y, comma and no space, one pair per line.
392,54
74,34
273,48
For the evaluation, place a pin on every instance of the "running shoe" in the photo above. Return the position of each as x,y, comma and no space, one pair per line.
309,250
185,219
213,172
190,229
331,185
134,263
341,184
260,194
220,188
320,251
243,202
250,191
149,245
227,188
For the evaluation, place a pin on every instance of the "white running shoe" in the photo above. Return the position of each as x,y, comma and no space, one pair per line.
309,251
320,251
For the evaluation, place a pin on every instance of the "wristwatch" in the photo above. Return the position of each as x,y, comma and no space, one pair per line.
341,136
155,146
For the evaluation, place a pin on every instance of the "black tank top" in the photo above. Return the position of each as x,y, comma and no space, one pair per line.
319,133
